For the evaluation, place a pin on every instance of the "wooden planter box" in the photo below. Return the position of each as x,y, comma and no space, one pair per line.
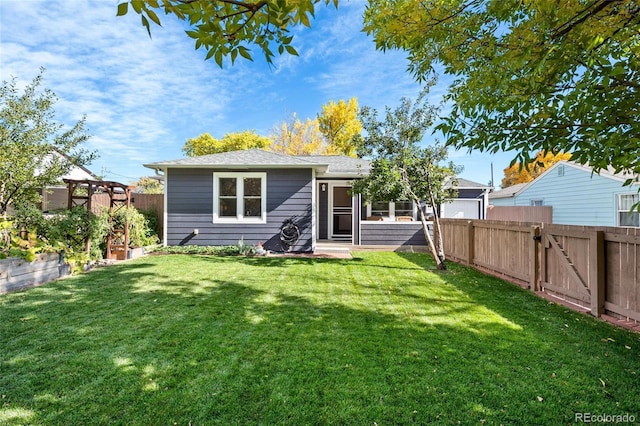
16,273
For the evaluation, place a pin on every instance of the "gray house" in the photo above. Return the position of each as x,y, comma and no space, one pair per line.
249,195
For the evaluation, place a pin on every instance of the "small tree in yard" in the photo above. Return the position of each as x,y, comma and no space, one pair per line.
401,169
35,151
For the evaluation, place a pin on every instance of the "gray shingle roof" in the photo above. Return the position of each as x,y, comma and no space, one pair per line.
507,192
341,163
329,164
249,157
466,183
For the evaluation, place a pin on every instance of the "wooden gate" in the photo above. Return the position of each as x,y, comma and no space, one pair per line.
572,265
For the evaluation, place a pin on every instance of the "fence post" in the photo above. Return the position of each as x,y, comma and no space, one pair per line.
470,242
534,260
597,272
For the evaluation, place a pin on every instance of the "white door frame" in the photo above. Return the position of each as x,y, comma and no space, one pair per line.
330,185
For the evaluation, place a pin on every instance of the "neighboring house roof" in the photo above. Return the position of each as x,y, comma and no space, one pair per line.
79,173
76,172
509,191
609,172
469,184
514,190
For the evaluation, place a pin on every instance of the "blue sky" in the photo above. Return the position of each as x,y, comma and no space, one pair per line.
143,98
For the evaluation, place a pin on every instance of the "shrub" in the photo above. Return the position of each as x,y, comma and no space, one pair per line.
140,233
241,249
30,232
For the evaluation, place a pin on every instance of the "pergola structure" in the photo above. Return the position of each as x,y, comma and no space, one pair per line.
81,192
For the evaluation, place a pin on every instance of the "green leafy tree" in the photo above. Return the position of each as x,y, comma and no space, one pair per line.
148,185
401,168
206,144
35,151
339,123
545,75
225,28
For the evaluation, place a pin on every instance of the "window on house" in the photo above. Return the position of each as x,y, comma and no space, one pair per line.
626,217
536,202
561,170
403,208
380,208
239,197
391,209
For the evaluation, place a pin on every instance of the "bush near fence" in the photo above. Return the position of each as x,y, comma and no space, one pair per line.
144,203
596,268
58,198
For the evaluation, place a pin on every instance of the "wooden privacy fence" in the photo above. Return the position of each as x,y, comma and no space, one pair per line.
597,268
536,214
57,198
142,202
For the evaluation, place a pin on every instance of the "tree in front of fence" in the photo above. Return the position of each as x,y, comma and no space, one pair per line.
403,169
35,150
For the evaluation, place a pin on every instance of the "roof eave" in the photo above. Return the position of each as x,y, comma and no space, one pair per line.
157,166
346,175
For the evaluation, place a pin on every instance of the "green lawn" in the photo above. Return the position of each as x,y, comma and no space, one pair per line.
381,339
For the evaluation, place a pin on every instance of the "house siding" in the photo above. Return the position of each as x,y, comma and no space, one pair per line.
392,233
505,201
190,206
578,197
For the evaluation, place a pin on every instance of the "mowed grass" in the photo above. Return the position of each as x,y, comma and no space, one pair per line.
383,339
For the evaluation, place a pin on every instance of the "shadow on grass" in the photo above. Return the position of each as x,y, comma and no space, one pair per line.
382,339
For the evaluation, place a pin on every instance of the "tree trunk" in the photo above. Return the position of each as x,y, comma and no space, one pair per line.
436,256
3,206
437,228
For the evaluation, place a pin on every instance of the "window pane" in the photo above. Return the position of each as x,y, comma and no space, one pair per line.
228,207
228,187
252,187
629,219
627,201
252,207
379,208
341,196
404,208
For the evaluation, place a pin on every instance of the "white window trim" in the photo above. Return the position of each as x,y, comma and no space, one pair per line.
620,210
392,211
240,176
533,202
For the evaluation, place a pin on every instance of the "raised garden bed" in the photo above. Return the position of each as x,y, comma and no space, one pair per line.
17,273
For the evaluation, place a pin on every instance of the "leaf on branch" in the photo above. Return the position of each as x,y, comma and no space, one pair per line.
244,52
151,14
123,8
145,23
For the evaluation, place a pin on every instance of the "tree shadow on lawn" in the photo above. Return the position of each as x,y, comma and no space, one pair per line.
127,346
561,342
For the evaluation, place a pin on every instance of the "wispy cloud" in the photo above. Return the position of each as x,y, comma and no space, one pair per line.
144,97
